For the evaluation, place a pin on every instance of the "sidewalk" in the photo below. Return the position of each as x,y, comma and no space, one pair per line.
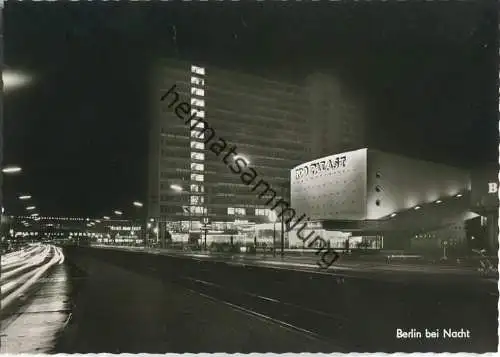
307,262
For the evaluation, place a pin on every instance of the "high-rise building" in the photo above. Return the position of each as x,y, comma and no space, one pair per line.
273,126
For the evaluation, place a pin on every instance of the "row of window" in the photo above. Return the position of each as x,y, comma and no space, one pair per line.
197,200
263,212
198,70
197,81
197,208
198,102
197,91
236,211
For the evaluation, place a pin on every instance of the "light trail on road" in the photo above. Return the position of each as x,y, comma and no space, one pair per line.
22,273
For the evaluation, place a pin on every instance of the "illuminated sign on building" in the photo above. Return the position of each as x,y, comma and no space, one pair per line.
325,189
321,166
122,228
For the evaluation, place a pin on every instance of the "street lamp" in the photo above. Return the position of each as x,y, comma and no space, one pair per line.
143,230
118,213
14,79
24,197
11,169
106,218
177,188
30,208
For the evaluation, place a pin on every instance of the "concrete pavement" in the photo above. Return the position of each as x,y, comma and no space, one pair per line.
33,326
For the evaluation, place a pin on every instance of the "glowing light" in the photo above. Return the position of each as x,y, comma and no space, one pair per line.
118,213
24,197
106,217
459,195
417,207
30,208
138,204
11,170
14,79
393,215
176,187
439,201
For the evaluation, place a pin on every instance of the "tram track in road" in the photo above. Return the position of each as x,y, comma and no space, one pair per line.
328,328
318,303
358,314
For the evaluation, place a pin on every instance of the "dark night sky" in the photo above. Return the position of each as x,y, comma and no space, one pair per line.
427,72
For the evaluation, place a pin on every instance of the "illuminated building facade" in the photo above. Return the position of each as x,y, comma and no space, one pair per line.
395,202
114,231
269,122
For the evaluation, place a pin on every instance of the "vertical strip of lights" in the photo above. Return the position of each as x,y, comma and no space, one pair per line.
197,144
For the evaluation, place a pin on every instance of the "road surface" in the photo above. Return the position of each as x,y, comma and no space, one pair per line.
140,302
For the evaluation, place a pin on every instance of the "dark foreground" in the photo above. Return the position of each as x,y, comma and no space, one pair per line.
135,302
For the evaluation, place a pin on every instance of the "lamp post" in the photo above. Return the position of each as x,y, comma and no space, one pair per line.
142,220
273,217
284,194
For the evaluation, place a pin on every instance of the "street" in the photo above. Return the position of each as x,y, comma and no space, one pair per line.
138,302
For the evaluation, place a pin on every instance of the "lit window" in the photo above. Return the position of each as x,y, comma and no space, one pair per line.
197,177
198,70
197,188
197,145
230,210
197,167
197,156
197,81
197,102
262,212
197,134
199,113
198,210
198,91
240,211
196,200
